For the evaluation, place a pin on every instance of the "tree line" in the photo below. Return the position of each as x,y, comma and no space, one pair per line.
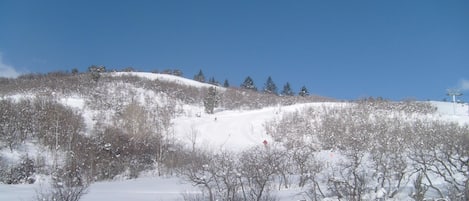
248,84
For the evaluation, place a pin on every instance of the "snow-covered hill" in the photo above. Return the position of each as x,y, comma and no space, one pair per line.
162,77
226,130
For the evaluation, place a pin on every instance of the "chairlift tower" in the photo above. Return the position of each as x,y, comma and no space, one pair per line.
453,93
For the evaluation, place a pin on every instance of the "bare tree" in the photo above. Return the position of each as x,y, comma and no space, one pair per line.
260,165
197,171
9,130
211,100
441,151
388,155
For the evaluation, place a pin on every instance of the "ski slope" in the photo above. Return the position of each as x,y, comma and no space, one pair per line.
233,130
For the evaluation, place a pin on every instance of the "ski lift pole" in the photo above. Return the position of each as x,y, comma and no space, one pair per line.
453,93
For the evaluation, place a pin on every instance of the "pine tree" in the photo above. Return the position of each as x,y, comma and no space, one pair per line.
199,77
249,84
211,100
177,72
95,71
287,91
75,71
270,87
303,91
226,84
213,81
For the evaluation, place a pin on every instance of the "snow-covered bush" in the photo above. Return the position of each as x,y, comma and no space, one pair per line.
406,106
61,191
235,176
17,173
382,152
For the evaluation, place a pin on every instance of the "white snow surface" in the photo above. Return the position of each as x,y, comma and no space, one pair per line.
231,130
141,189
163,77
452,109
456,112
75,102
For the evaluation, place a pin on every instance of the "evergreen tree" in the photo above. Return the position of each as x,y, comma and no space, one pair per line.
211,100
303,91
177,72
95,71
199,77
226,84
213,81
270,87
128,69
75,71
287,91
249,84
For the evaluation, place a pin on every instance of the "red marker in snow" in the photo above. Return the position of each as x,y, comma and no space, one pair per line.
264,142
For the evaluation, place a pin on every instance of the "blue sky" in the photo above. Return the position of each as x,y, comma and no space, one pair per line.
342,49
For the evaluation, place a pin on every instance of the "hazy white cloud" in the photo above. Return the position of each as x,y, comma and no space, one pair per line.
7,70
464,85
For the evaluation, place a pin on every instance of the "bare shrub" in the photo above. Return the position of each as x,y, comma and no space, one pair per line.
58,191
56,125
259,166
350,180
440,151
228,176
197,172
17,173
10,133
406,106
309,169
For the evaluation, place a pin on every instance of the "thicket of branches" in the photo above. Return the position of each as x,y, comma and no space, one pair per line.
381,152
249,175
137,139
101,87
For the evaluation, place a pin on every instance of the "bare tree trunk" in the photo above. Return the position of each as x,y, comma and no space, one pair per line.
466,190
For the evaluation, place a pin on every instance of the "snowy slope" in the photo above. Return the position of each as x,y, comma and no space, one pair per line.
456,112
237,130
232,130
163,77
454,109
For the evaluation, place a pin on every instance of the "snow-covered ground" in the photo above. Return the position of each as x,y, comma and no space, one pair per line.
149,188
163,77
231,130
457,112
142,189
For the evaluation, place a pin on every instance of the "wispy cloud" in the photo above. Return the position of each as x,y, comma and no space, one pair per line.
7,70
464,85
